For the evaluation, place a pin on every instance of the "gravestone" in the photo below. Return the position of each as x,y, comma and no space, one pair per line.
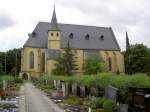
58,84
82,91
123,108
111,93
93,91
55,84
4,85
74,89
65,89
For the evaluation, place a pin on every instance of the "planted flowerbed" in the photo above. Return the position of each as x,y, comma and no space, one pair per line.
92,90
9,93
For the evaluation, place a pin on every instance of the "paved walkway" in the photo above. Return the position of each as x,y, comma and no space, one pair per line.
33,100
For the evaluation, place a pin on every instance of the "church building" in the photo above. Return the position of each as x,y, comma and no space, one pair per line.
48,40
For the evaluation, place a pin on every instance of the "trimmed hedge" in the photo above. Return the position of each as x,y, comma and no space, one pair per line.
102,80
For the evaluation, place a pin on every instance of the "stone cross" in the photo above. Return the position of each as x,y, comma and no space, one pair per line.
111,93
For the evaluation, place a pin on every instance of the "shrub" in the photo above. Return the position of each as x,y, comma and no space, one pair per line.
93,65
73,101
101,80
98,103
109,106
18,80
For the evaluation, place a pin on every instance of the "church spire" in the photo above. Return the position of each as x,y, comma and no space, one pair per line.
54,25
127,41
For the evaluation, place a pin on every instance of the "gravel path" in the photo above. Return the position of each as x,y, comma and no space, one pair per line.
37,101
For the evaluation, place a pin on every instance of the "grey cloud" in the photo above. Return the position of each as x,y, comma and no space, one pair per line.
6,21
125,15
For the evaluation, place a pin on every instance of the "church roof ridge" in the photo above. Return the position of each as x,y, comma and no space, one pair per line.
84,25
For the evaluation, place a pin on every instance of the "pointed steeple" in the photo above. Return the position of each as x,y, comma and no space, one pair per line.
127,41
54,25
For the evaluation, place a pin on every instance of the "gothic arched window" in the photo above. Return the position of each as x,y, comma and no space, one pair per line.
109,64
31,60
43,62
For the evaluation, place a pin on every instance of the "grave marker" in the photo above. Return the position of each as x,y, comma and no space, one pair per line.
111,93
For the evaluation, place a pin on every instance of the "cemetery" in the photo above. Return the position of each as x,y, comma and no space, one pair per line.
9,94
104,92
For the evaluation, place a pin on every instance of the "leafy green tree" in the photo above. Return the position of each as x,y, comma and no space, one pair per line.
65,63
13,60
137,59
2,60
1,68
93,65
59,67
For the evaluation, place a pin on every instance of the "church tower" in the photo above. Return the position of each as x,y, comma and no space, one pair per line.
54,33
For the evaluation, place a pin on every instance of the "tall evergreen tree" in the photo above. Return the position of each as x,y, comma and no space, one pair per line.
69,60
65,63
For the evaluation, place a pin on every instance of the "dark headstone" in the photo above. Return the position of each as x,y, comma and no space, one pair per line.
111,93
93,91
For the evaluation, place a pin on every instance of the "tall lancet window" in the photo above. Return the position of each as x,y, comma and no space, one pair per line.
110,64
43,62
31,60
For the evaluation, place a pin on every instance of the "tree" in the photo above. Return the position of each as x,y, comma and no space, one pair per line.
93,65
13,60
1,68
65,63
59,66
137,59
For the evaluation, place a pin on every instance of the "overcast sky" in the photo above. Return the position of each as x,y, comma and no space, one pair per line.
19,17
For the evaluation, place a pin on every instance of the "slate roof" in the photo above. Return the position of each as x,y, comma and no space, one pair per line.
39,36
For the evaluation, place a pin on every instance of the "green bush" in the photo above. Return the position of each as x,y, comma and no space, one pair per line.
93,65
18,80
98,103
73,101
109,106
102,80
